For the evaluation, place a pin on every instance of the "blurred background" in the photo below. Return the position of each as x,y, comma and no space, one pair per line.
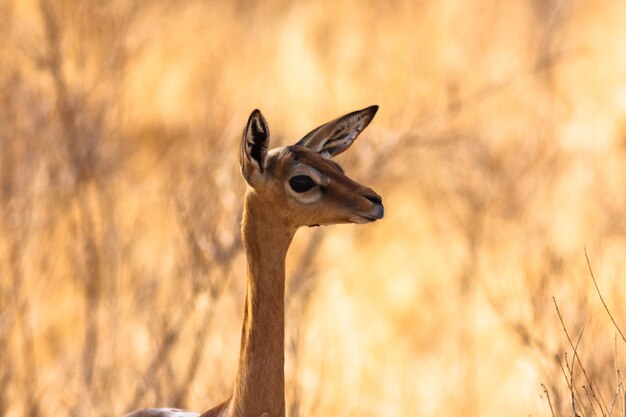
499,149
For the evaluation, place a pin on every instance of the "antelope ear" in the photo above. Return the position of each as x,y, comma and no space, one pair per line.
254,148
334,137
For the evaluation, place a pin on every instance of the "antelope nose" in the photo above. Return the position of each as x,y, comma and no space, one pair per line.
374,198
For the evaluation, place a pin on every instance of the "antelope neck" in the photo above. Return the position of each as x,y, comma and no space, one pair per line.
260,383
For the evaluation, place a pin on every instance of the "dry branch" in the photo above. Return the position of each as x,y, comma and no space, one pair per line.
602,298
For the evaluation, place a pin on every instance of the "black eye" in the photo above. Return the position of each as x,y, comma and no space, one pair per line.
301,183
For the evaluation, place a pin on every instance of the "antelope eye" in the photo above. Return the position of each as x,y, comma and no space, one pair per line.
301,183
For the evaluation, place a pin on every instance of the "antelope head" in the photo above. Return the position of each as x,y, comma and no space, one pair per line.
300,185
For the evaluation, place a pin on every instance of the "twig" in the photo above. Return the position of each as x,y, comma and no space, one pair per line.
602,299
580,336
619,385
570,382
571,375
578,358
590,401
545,390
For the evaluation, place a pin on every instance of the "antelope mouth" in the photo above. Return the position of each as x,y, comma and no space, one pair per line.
370,217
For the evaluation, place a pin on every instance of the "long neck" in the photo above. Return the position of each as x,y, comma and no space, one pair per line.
260,383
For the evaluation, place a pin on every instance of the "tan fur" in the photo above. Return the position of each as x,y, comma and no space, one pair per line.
272,213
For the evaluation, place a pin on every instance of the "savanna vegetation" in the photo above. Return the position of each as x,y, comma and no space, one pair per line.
494,286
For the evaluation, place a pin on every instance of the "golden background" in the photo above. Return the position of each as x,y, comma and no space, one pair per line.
499,150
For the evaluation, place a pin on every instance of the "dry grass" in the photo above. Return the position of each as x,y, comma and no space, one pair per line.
500,150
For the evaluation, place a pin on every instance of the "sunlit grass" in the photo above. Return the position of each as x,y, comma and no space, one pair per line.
499,150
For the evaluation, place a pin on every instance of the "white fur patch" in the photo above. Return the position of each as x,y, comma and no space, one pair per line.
312,195
161,412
